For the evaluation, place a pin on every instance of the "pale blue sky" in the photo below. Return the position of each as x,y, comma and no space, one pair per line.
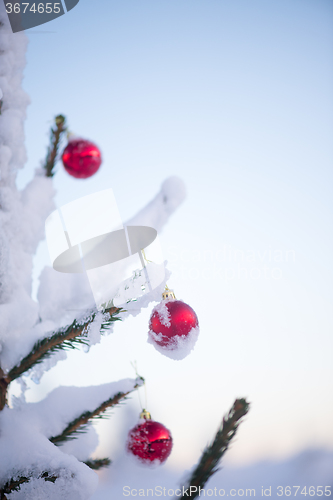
235,97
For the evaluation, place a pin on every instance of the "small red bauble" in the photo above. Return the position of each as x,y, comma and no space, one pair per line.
173,327
81,158
149,441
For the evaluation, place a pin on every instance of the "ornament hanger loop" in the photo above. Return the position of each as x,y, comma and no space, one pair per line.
134,365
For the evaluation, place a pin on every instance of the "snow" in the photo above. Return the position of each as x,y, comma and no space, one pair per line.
63,297
83,447
94,329
25,449
158,211
178,347
69,486
143,464
38,370
22,214
163,313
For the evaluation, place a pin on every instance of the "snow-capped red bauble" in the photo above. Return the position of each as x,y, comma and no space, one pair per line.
81,158
173,327
149,441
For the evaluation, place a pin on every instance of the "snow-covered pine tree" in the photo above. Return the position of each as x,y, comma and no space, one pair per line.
32,464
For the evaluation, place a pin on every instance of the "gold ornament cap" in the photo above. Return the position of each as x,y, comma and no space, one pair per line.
168,294
145,414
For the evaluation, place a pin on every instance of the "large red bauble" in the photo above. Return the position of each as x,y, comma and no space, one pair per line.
150,441
170,319
81,158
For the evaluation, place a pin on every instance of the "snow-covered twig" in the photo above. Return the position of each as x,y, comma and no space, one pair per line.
69,337
66,338
15,484
77,425
26,450
209,461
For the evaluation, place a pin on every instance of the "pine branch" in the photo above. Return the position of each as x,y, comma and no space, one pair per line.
15,484
3,389
70,337
79,424
52,153
212,455
98,464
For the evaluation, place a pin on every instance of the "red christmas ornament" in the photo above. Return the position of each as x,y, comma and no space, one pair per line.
173,327
81,158
149,441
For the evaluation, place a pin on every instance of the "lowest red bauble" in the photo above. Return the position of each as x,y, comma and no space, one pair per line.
149,441
81,158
